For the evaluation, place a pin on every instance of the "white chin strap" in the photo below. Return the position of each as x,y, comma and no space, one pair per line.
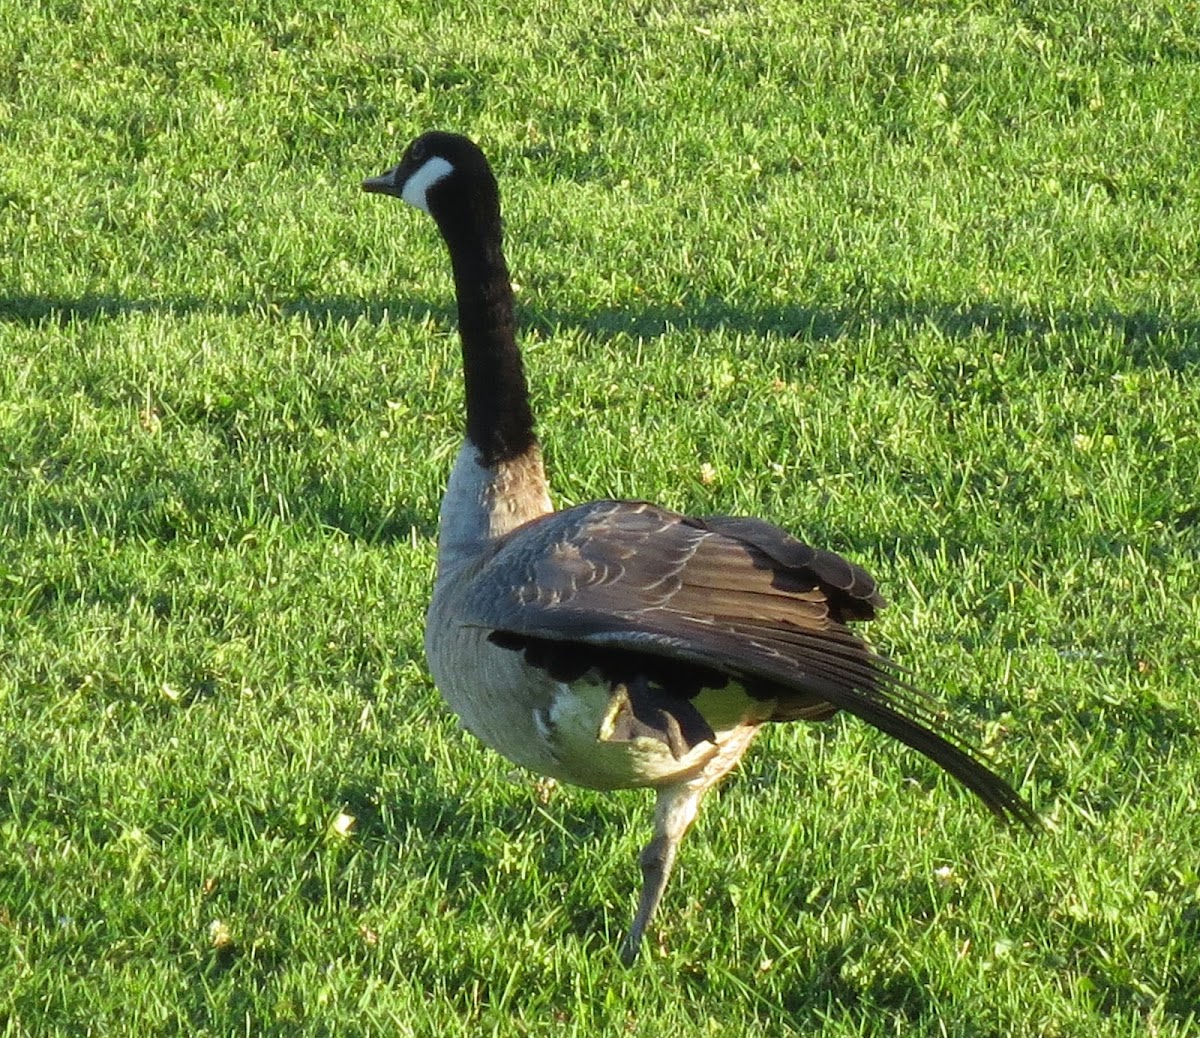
416,187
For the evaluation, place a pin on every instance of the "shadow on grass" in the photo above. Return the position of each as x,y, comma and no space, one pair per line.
1151,338
828,986
178,511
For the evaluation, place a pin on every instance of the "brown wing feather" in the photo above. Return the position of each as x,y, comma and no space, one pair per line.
733,596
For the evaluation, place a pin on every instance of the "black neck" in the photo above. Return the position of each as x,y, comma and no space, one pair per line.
499,418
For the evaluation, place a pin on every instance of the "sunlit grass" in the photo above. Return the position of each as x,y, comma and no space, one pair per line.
918,282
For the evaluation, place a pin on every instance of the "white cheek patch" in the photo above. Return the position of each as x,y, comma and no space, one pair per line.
417,186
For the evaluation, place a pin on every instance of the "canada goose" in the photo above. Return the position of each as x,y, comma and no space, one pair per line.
617,644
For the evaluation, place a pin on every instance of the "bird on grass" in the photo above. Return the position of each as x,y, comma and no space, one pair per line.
617,644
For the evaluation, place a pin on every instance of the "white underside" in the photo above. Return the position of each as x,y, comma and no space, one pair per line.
550,727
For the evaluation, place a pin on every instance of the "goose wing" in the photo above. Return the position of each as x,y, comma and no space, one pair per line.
684,604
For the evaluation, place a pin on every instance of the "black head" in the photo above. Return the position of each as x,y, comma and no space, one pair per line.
444,174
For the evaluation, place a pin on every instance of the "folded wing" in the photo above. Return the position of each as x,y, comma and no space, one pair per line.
688,604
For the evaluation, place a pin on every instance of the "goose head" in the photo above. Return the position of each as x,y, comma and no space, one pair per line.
447,176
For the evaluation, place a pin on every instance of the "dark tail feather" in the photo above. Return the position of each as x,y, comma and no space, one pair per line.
961,762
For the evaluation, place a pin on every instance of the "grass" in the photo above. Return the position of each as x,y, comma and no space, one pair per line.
917,281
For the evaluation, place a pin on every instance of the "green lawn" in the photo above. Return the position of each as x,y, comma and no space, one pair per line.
920,282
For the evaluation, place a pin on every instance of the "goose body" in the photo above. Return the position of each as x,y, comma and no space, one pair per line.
617,644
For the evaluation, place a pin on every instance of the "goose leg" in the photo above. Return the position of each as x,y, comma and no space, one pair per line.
674,812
